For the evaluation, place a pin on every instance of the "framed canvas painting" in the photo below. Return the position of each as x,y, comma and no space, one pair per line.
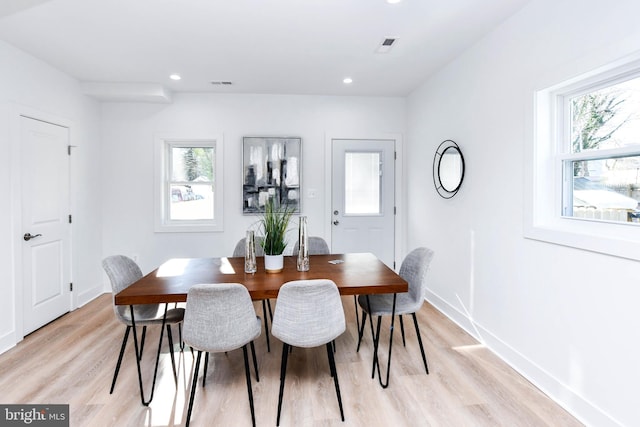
271,168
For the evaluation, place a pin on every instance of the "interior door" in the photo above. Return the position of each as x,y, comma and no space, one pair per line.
45,222
363,197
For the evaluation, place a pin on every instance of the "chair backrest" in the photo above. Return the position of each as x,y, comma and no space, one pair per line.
414,270
308,313
219,317
317,246
122,272
240,246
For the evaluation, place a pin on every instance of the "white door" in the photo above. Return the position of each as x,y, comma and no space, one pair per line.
363,197
45,216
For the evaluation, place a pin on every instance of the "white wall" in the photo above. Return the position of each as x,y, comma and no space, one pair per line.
128,131
29,85
564,317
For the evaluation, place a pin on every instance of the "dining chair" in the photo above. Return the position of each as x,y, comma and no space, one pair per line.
122,272
317,246
308,314
220,318
414,270
266,304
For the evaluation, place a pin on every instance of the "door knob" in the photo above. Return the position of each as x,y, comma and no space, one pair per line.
336,222
28,236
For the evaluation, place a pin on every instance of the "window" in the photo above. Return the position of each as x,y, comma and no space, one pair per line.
362,182
600,149
584,179
189,185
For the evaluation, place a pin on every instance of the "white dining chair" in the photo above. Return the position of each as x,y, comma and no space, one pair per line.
308,314
414,270
220,318
122,272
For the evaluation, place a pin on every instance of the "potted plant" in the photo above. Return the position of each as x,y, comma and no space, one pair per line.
274,224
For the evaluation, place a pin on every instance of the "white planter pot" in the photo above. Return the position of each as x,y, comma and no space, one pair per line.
273,263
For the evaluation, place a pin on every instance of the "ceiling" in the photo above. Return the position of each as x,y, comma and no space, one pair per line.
260,46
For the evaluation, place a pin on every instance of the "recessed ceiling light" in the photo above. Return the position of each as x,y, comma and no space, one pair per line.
175,77
393,1
347,80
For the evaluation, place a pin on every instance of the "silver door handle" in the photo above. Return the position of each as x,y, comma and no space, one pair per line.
336,222
28,236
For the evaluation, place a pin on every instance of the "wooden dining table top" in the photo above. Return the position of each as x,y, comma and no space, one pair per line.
354,274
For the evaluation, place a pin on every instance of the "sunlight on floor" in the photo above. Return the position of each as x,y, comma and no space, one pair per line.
168,407
469,348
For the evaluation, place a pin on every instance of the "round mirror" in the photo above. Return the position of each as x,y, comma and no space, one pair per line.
448,169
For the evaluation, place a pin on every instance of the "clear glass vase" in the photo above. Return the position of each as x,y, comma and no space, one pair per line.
303,245
250,253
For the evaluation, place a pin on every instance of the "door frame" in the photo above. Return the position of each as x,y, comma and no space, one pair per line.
400,187
19,111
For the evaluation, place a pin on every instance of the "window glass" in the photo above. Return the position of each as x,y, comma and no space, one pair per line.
606,118
362,183
191,185
602,169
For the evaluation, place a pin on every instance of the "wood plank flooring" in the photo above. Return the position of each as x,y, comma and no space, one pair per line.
72,360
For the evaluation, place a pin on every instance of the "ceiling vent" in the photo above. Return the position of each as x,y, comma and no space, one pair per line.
386,44
222,83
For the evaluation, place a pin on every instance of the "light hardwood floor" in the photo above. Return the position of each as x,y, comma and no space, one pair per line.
72,359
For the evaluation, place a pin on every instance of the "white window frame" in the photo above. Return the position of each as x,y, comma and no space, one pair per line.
544,162
162,180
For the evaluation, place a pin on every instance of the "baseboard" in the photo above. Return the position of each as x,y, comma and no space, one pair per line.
89,295
586,412
8,341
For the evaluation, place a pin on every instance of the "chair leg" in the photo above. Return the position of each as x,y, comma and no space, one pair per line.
173,359
424,357
355,306
194,384
144,335
248,374
270,311
180,336
334,374
122,347
361,330
206,365
139,353
255,362
404,344
283,372
376,342
266,322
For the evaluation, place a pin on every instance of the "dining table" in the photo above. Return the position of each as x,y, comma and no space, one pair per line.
353,274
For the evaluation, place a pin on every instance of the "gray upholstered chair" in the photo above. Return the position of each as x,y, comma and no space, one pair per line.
414,270
266,304
122,272
240,246
317,246
308,314
220,318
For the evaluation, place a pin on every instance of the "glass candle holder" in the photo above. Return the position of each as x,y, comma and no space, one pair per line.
303,245
250,253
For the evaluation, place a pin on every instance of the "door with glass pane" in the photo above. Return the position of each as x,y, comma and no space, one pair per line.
363,197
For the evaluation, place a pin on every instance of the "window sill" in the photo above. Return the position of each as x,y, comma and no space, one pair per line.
619,240
188,228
